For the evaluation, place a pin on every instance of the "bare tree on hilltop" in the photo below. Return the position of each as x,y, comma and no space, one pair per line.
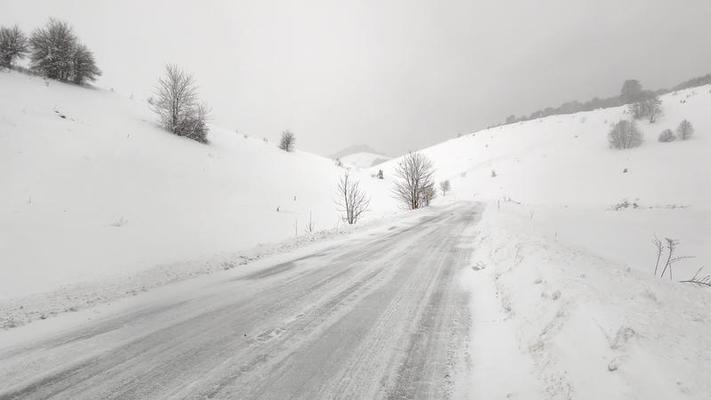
414,186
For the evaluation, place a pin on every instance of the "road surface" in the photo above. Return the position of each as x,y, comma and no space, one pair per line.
382,317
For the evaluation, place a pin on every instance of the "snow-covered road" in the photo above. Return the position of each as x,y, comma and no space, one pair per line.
383,317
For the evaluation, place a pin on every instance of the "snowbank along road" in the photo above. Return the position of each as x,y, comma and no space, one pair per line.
383,317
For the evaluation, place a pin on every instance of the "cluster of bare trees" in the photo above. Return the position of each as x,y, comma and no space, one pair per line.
414,188
648,107
178,106
55,52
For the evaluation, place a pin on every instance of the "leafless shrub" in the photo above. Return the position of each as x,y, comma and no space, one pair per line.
667,136
624,135
414,175
287,141
351,201
177,105
625,204
310,225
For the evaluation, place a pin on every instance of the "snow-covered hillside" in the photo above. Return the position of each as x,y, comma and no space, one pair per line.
92,188
565,302
562,166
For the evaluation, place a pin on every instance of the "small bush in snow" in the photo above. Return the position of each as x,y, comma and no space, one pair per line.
625,204
13,45
685,130
649,107
667,136
624,135
56,53
428,194
287,141
177,105
444,187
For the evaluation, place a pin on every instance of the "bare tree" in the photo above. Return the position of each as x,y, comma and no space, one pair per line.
84,65
444,187
177,105
624,135
631,91
13,45
414,173
685,130
351,200
287,141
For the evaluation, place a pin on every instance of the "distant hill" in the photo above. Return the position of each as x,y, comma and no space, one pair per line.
361,156
358,148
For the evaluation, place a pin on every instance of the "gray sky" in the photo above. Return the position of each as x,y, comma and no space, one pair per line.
396,75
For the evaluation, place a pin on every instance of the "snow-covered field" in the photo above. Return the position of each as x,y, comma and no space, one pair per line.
92,188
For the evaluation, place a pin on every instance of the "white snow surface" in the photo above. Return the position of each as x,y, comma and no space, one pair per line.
564,300
93,188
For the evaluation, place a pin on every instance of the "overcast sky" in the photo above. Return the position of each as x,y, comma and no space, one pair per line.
397,75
